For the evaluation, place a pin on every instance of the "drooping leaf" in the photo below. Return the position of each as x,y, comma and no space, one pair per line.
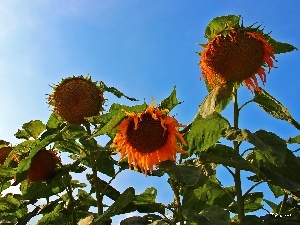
252,202
273,107
170,102
272,146
205,132
105,163
114,91
221,25
216,100
225,155
124,199
286,176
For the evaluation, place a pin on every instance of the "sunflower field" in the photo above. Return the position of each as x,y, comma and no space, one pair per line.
148,139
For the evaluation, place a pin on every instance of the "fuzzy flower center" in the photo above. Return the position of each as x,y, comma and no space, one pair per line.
149,135
236,56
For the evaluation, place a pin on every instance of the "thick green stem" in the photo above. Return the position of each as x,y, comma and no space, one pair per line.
72,201
237,173
177,201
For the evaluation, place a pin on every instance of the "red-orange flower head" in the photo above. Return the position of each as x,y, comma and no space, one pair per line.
4,152
237,57
148,138
76,98
43,164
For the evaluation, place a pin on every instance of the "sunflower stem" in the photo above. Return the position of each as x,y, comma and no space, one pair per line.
237,172
72,200
175,187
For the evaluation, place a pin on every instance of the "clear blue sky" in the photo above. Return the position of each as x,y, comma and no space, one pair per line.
143,48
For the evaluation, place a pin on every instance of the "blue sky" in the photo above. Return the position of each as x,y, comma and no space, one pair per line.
143,48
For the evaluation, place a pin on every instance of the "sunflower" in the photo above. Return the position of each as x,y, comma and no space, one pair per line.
148,138
4,152
43,164
76,98
237,57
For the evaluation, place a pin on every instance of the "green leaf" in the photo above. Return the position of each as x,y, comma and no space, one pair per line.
293,140
194,218
213,193
6,171
220,25
277,191
145,202
170,102
286,176
216,100
22,134
225,155
144,220
216,215
272,146
54,121
205,132
279,47
36,190
9,204
105,163
34,128
190,175
275,208
110,120
252,202
124,199
274,107
73,131
114,91
110,191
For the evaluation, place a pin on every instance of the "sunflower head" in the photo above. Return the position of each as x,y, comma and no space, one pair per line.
76,98
237,55
147,138
4,152
43,164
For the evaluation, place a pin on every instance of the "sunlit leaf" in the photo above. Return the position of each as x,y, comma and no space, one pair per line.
9,204
205,132
220,25
34,128
292,140
170,102
125,198
274,107
54,121
6,171
216,100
